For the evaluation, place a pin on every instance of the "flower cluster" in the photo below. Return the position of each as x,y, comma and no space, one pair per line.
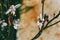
16,23
12,9
3,23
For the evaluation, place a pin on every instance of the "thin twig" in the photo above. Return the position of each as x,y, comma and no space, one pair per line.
38,34
40,31
52,20
52,24
42,11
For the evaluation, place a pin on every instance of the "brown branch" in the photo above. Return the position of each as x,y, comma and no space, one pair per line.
9,23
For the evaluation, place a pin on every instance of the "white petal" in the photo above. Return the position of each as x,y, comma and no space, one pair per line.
18,5
4,24
39,24
8,11
13,8
15,26
13,12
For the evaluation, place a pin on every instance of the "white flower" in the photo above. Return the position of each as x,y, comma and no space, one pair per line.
13,9
39,24
15,26
4,24
15,23
8,11
1,21
18,5
40,21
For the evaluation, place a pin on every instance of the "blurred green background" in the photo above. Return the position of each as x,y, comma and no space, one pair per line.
8,32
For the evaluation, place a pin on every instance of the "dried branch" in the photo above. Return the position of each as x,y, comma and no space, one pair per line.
9,22
51,20
38,34
52,24
40,31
